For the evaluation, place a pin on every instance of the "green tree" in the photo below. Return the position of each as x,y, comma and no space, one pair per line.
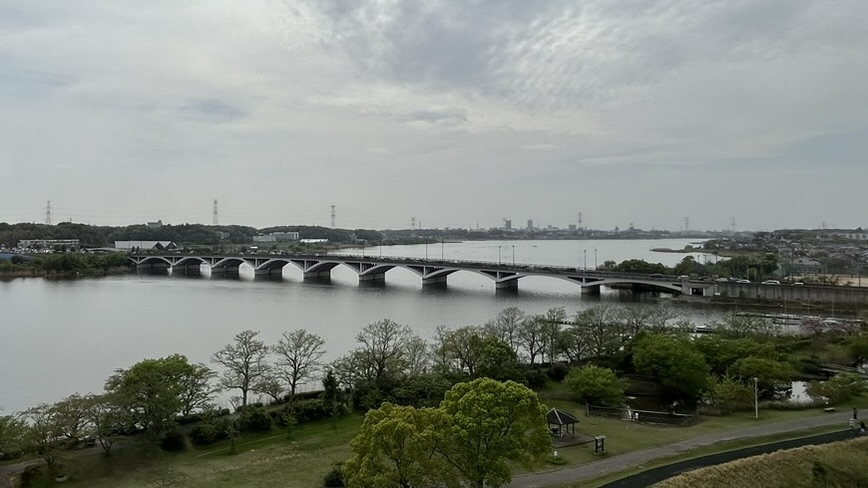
769,372
728,394
681,368
490,427
12,433
155,391
837,389
596,385
395,447
498,361
244,361
641,266
107,420
40,438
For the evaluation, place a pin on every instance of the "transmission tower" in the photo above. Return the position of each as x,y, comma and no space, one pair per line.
732,224
580,220
412,223
686,224
214,220
333,216
48,213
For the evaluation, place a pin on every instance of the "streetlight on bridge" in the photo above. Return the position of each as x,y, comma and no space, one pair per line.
585,259
513,254
498,254
595,259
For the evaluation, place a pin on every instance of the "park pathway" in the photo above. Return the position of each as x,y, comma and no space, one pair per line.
634,460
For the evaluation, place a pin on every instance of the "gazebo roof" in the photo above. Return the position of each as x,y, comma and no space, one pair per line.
559,417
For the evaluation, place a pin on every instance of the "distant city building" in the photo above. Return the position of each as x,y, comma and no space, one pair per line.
855,236
51,244
276,237
529,224
155,225
146,245
313,241
507,224
572,227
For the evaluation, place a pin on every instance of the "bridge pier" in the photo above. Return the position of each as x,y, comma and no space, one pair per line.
225,271
187,270
270,272
506,285
323,276
434,282
372,278
591,290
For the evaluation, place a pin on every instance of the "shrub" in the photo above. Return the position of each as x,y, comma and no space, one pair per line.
558,371
334,478
254,419
535,378
209,432
174,441
307,410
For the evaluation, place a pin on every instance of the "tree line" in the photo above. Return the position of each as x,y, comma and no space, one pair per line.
597,353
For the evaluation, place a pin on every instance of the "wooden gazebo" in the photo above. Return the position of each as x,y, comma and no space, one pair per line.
561,423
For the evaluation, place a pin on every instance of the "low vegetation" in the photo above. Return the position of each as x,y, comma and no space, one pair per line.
837,465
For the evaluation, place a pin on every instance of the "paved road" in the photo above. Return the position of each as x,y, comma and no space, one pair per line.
636,459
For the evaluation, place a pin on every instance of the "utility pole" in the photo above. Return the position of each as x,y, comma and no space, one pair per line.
48,213
214,220
333,216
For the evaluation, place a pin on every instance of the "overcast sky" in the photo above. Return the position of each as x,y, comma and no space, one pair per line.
456,113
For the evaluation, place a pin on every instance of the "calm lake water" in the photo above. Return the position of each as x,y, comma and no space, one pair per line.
59,337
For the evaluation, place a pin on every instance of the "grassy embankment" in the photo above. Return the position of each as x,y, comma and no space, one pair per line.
268,460
842,464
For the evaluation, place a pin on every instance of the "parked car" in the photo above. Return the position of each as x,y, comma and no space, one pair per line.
742,281
771,282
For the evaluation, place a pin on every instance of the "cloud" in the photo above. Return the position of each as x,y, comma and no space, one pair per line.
507,105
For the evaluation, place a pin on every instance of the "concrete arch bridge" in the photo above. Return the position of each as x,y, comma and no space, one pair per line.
432,272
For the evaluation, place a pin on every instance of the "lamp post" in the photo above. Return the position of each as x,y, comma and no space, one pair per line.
756,397
426,251
595,259
513,254
441,250
498,255
585,260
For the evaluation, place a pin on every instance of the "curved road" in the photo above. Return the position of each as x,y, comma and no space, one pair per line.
635,459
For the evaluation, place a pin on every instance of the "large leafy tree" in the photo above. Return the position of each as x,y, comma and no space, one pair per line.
680,367
106,419
245,363
395,447
12,435
490,427
596,385
299,353
155,391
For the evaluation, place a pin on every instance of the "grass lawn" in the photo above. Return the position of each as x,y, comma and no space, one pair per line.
622,436
269,460
266,460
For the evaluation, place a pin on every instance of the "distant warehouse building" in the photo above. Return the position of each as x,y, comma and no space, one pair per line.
146,245
276,237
